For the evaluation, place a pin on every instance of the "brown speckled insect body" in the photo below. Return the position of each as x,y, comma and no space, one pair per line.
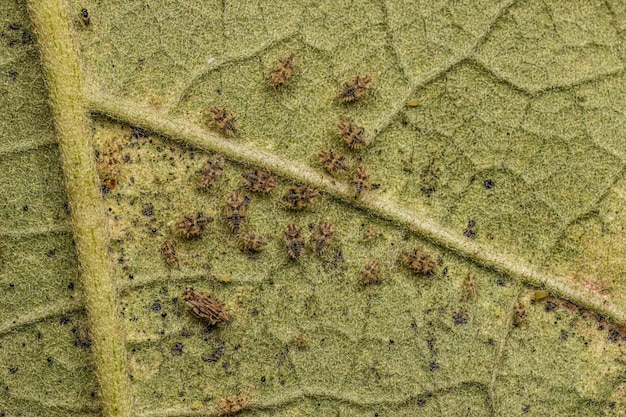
419,262
360,181
232,405
212,170
193,225
519,313
333,162
236,208
370,274
205,306
259,181
253,243
169,254
299,197
294,242
469,286
224,120
353,135
84,17
283,70
369,234
355,88
322,237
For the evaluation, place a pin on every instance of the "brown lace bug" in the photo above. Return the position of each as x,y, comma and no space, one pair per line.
259,181
283,70
212,171
193,225
354,88
205,306
352,135
333,162
322,237
299,197
236,208
252,242
84,17
294,242
224,120
370,274
169,254
360,181
419,262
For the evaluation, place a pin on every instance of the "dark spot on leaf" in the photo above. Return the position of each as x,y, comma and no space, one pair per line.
501,282
177,349
469,233
13,369
147,209
433,366
156,306
64,320
489,184
460,318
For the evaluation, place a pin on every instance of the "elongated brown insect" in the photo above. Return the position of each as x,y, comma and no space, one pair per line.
360,181
224,120
353,135
236,208
322,237
205,306
333,162
212,170
519,313
294,242
354,88
259,181
193,225
169,254
299,197
370,274
253,243
283,70
419,262
84,17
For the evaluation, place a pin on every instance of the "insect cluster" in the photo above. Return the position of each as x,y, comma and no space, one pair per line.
298,197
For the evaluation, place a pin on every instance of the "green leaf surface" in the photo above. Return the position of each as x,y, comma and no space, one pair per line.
496,142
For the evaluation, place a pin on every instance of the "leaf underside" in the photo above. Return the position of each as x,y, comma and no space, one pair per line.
518,137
